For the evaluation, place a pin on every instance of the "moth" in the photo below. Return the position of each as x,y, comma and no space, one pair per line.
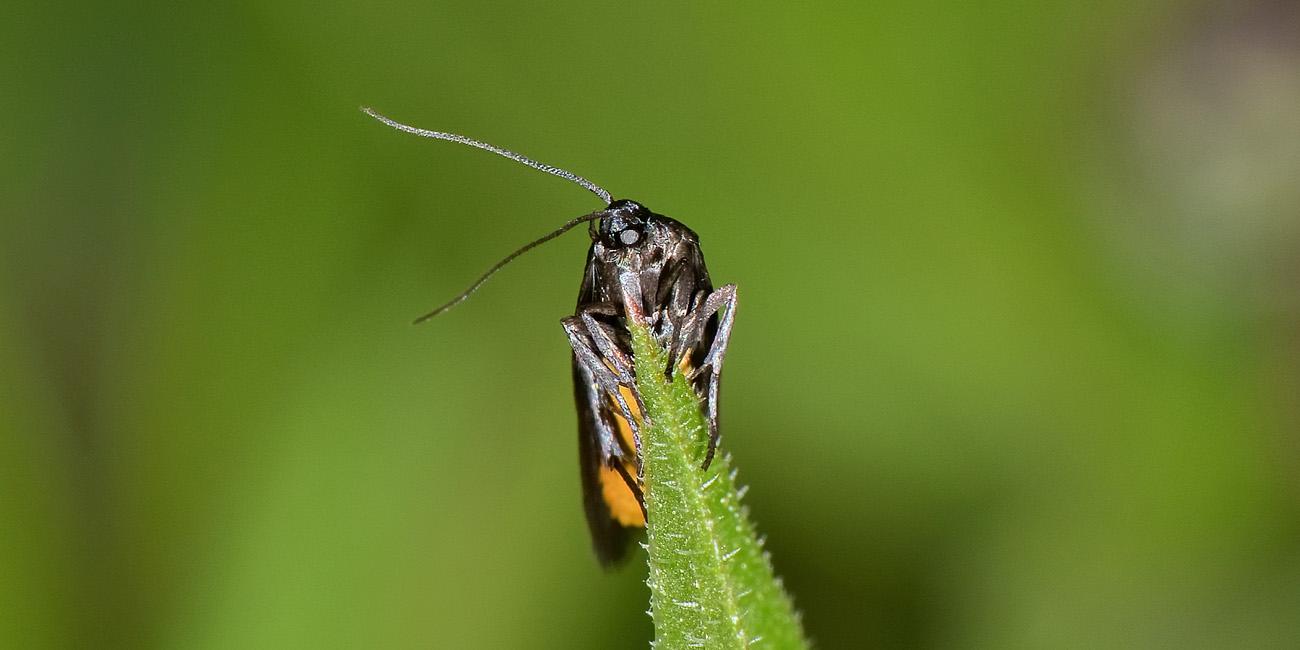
642,268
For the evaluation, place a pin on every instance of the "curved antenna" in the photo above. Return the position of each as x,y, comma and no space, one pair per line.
531,245
596,189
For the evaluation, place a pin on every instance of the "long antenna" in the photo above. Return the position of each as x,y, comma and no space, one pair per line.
596,189
534,244
518,158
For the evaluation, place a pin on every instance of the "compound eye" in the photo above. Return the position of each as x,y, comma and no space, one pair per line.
629,237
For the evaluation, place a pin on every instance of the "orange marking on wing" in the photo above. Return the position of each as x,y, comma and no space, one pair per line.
623,506
621,500
625,431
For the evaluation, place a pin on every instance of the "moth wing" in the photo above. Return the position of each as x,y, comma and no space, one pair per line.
604,493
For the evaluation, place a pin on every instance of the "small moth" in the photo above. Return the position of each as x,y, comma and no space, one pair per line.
642,268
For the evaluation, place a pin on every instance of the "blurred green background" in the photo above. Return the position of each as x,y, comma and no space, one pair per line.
1017,361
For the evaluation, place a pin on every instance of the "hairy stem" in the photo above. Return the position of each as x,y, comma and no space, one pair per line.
711,584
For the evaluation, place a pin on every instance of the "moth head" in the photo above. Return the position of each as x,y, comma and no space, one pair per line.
623,225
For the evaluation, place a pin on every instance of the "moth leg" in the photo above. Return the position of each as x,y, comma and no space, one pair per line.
676,300
586,337
617,358
689,334
634,308
619,362
634,485
723,303
633,300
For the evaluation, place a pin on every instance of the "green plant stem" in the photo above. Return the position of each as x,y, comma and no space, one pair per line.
711,585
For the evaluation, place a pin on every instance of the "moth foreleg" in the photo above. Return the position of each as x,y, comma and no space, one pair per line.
610,373
723,303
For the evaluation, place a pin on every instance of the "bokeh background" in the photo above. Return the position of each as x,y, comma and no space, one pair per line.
1017,363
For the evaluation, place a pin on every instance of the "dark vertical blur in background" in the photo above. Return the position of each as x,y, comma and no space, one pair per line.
1017,361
